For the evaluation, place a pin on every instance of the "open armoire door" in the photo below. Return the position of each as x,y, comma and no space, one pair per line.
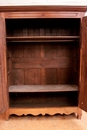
83,66
3,79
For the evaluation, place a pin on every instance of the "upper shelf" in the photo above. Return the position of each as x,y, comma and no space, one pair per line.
42,38
43,88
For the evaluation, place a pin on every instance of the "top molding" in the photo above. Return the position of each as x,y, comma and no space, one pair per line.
42,8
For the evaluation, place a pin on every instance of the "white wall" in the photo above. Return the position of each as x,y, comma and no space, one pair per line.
43,2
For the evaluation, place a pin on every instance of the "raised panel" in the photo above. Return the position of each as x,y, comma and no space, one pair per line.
17,50
65,49
51,76
18,76
32,76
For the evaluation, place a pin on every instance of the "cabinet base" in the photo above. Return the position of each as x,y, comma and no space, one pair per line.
43,111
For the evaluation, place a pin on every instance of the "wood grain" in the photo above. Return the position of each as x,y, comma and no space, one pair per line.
3,66
83,69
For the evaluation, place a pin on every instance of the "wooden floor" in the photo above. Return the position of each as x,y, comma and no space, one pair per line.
56,122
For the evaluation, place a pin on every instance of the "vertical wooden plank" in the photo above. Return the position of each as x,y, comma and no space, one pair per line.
51,76
65,76
25,31
1,95
58,31
1,91
35,50
3,71
0,71
37,77
50,50
41,31
53,31
27,50
50,73
58,50
47,31
17,50
43,76
31,76
65,49
30,32
36,32
27,54
42,69
17,74
26,76
59,76
31,50
34,76
9,64
83,67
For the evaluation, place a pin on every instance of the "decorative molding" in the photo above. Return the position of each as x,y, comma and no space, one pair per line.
42,8
43,111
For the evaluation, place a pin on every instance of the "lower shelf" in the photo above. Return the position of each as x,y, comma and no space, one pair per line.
48,100
43,103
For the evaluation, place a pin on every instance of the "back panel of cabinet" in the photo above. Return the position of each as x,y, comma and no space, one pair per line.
42,63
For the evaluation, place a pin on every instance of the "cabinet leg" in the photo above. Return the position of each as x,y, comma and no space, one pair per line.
79,113
7,115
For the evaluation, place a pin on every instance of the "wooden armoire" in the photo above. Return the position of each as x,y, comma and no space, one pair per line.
43,60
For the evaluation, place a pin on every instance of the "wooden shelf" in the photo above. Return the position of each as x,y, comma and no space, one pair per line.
43,88
42,39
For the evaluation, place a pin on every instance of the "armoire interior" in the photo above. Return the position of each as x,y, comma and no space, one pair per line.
43,61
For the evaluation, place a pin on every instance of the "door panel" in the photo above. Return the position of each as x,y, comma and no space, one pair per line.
83,66
3,77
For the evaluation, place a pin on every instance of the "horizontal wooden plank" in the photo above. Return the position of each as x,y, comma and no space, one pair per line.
43,88
48,64
41,60
42,8
45,41
42,38
61,62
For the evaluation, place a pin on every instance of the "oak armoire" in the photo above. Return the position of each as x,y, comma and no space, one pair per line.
43,60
